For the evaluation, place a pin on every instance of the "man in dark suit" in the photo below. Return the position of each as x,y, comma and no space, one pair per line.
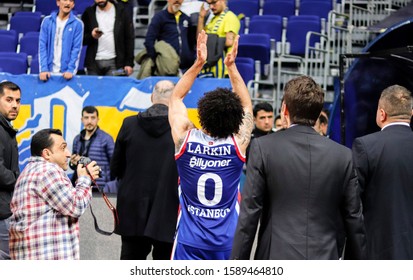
302,187
384,161
143,161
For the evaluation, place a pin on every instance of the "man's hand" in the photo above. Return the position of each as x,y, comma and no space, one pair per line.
203,12
93,168
67,75
201,47
74,158
96,33
128,70
231,56
44,76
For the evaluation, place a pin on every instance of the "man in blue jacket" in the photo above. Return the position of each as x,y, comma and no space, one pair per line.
175,28
96,144
60,42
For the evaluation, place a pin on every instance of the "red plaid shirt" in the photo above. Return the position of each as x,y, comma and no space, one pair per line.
46,208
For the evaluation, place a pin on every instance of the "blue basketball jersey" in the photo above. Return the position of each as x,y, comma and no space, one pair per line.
209,171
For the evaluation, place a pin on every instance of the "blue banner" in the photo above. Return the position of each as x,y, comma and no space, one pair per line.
58,103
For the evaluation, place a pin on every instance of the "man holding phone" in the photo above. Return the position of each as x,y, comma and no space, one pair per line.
108,35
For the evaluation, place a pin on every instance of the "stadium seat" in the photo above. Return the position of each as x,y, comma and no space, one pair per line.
81,5
260,48
284,8
81,68
12,33
45,6
315,7
246,7
246,67
267,24
8,42
27,13
29,44
13,63
34,65
23,24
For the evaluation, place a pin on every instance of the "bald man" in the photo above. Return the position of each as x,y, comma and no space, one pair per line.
144,162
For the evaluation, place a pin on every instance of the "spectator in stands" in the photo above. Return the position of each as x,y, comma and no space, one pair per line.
96,144
143,161
383,161
46,207
169,43
263,121
10,96
278,125
209,160
321,124
60,42
301,188
225,24
110,39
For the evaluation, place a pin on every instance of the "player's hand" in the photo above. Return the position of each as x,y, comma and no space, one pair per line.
232,55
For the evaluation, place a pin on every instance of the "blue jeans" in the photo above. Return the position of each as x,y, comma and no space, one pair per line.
4,239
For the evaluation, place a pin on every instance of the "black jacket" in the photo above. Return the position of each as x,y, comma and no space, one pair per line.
383,161
123,33
9,166
143,160
303,187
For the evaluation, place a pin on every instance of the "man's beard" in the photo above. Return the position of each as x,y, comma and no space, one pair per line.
102,4
176,8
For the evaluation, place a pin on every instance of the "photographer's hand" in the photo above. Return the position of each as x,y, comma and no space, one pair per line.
74,158
93,168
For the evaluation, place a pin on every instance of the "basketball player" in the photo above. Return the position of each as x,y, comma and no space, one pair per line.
209,160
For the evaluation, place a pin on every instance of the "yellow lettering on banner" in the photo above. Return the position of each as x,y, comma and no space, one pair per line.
58,116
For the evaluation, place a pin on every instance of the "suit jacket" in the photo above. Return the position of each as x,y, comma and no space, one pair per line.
303,187
143,160
384,161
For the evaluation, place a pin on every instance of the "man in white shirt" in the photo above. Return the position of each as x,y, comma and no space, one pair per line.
109,36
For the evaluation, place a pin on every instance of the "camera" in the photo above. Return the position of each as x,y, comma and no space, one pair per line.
85,161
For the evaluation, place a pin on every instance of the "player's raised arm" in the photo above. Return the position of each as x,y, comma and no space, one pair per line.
178,114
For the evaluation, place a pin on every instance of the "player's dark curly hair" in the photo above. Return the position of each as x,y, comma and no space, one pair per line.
220,112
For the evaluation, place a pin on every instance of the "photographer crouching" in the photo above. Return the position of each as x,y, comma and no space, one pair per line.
45,205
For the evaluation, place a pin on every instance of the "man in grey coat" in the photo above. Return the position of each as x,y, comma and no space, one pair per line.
302,187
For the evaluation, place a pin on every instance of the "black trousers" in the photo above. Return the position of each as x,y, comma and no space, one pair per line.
139,247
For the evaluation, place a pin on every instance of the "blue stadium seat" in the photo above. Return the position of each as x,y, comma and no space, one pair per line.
8,42
13,63
23,24
246,67
27,13
45,6
29,44
257,47
284,8
315,7
297,29
34,65
12,33
267,24
246,7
